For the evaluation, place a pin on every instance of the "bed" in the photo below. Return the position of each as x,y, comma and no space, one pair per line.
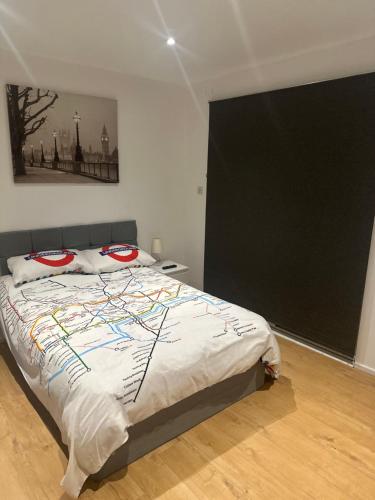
125,361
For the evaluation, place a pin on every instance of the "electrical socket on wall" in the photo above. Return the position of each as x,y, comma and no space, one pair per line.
200,190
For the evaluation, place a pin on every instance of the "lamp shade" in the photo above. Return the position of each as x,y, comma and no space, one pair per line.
156,247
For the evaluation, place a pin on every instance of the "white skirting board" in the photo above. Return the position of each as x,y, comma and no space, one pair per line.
364,368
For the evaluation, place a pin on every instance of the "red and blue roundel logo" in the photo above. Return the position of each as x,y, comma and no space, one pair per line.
121,252
43,257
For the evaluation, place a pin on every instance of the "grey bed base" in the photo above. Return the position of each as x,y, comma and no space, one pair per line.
173,421
161,427
164,425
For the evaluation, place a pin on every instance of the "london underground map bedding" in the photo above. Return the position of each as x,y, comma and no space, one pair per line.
103,352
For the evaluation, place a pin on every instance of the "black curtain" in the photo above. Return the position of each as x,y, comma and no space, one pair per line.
290,206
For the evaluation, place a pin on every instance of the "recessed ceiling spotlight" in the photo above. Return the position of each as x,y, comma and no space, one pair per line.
171,41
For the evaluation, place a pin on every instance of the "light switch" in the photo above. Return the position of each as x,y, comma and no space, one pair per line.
200,190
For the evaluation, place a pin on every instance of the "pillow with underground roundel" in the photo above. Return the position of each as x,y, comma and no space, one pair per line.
114,257
36,265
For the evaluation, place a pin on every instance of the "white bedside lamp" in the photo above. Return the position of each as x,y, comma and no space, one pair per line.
156,248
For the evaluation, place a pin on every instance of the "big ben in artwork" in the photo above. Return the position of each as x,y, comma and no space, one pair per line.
105,143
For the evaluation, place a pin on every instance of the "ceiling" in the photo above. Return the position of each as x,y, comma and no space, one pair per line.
214,37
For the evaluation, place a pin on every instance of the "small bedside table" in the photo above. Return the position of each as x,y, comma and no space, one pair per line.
180,272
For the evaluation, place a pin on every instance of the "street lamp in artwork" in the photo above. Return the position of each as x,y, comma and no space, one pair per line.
42,157
78,152
56,158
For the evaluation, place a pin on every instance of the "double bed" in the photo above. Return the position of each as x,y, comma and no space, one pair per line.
125,361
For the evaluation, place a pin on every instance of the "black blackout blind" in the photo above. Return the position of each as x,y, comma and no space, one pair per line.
290,206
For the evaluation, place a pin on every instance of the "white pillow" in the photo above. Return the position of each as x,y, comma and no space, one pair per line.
36,265
114,257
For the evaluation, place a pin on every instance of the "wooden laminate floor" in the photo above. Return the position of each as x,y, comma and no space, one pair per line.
309,435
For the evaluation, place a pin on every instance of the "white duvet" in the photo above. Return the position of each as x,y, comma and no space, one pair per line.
103,352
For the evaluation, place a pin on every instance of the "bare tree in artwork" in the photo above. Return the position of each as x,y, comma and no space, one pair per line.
26,109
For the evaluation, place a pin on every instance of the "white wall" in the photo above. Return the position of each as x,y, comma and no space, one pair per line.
152,145
327,62
365,356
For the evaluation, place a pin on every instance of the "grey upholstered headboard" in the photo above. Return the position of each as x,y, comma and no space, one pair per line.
80,237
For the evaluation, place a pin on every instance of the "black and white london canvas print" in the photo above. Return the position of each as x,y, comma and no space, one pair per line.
58,137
